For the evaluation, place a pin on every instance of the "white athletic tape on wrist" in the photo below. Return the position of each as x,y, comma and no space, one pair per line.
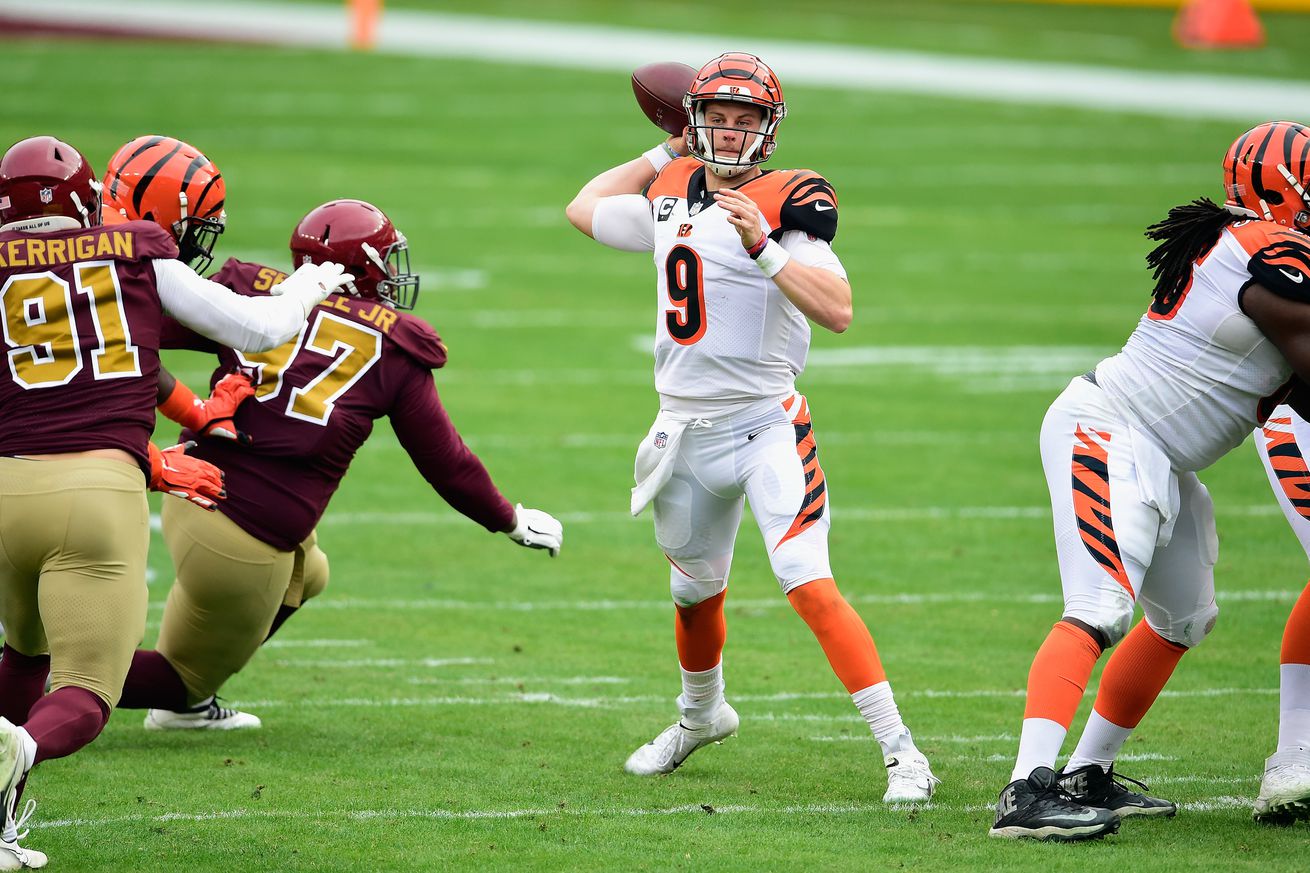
659,157
772,259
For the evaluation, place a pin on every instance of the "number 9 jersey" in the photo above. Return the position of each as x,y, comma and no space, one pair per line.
724,333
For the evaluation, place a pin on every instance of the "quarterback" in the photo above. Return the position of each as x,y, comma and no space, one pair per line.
242,571
83,310
743,264
1221,345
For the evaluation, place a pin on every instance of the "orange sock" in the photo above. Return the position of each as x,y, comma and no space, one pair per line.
700,632
1059,674
841,632
1296,636
1135,675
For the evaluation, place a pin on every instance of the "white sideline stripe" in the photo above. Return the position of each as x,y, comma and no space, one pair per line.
576,45
1139,756
616,701
1209,804
452,605
868,738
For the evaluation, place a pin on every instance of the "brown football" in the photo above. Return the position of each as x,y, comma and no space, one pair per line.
659,88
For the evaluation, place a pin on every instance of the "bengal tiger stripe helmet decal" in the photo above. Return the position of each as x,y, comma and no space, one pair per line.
1288,464
167,181
816,489
1267,173
1091,503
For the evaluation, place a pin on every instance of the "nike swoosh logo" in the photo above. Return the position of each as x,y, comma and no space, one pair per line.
753,434
1085,815
823,207
1295,277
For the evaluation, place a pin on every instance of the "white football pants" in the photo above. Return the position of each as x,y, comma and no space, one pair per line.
765,453
1128,527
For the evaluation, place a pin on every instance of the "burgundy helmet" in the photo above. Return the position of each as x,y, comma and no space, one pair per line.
44,177
360,237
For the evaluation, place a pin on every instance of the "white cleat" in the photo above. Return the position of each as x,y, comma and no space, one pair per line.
665,753
909,778
206,716
13,767
1285,791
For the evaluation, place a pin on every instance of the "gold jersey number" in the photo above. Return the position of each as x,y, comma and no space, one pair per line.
40,330
341,351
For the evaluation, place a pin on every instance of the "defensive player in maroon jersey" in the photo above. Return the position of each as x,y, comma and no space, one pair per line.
81,311
243,570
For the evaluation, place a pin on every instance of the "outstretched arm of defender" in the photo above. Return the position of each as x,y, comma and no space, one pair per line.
629,178
822,295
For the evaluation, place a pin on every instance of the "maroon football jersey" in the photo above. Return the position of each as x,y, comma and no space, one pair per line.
81,325
315,403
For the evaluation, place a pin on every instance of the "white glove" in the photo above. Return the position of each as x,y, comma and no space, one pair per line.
312,283
535,529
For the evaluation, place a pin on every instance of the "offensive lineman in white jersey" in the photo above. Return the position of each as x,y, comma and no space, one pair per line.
742,258
1210,360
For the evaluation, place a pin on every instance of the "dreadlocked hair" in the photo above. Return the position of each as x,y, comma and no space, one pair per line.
1188,232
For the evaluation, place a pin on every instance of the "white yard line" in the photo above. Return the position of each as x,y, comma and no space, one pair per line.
1208,804
576,45
281,643
662,604
621,701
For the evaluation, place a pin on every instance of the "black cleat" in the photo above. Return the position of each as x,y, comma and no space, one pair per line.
1092,786
1037,808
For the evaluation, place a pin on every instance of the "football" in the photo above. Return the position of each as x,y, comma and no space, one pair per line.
659,88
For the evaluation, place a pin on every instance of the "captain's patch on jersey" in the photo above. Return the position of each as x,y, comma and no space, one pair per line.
1283,268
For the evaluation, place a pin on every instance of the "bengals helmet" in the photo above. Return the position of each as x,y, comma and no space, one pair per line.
46,184
742,78
360,237
167,181
1267,172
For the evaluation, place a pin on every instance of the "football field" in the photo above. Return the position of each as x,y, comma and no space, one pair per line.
454,702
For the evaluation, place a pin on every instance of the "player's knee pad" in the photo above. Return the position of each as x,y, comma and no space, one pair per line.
1109,612
1185,630
692,580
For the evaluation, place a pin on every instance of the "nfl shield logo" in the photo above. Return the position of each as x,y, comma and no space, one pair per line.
47,195
661,439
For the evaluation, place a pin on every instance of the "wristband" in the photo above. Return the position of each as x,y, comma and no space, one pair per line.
660,156
754,251
183,406
772,258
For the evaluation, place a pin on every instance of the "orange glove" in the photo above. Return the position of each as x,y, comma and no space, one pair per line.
212,417
222,404
172,471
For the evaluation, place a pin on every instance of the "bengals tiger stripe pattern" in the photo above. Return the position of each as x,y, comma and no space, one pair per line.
816,490
1091,503
1265,171
1288,463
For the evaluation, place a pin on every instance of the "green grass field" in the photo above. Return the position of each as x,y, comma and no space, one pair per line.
454,702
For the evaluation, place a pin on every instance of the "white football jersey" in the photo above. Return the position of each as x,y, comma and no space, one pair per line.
1197,374
724,333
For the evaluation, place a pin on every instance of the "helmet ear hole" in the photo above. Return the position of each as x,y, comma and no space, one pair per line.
1273,198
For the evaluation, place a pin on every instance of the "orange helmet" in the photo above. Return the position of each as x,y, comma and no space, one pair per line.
164,180
742,78
1267,172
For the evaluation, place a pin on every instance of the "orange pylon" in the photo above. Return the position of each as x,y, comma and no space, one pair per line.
364,15
1206,24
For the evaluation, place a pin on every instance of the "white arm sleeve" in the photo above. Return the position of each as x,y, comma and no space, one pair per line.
624,222
247,324
812,252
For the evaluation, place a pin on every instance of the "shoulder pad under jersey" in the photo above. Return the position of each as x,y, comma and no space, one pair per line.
672,181
1283,267
418,339
150,240
796,200
247,278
